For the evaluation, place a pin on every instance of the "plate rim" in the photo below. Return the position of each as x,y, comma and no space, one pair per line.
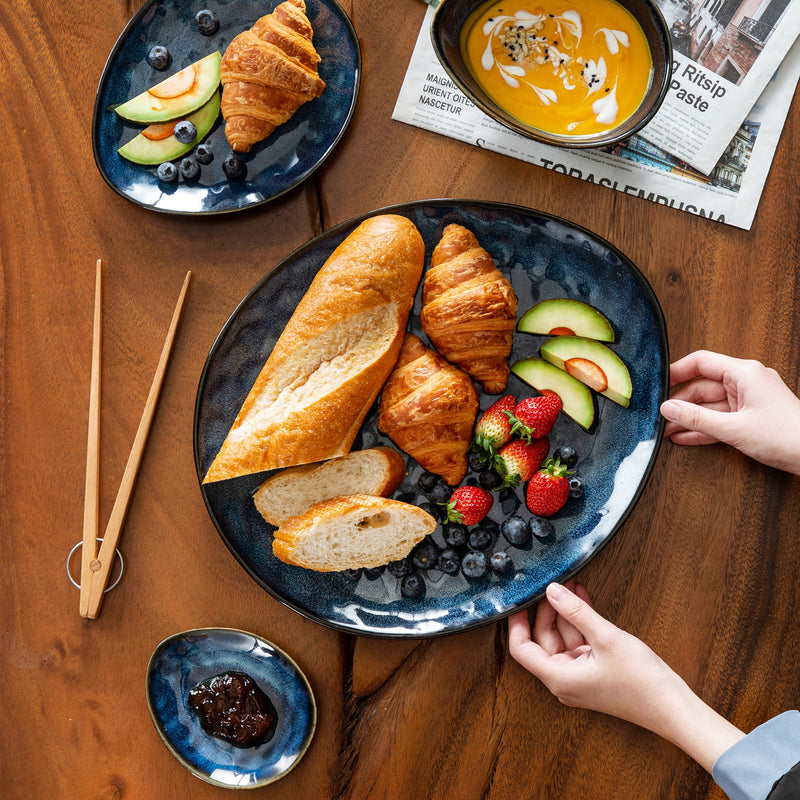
354,222
303,682
121,39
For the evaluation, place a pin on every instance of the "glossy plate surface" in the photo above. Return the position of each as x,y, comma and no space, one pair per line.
182,661
543,257
276,165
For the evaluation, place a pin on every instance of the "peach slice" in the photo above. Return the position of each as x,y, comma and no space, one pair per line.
587,372
176,85
561,331
158,131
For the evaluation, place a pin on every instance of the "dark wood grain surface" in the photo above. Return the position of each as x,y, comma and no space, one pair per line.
704,569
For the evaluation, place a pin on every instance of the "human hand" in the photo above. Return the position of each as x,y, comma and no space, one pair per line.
588,662
736,401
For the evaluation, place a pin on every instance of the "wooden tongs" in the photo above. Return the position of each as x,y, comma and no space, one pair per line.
96,566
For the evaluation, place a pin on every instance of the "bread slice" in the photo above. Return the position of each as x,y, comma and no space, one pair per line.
377,471
336,351
352,532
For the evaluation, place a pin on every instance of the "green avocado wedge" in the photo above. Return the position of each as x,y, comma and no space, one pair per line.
177,96
591,363
562,315
576,400
141,150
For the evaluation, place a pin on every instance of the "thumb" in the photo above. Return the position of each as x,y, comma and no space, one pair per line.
577,612
715,424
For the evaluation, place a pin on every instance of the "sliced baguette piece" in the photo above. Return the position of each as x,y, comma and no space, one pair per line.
377,471
352,532
329,363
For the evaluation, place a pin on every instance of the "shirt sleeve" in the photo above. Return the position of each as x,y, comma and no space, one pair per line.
749,769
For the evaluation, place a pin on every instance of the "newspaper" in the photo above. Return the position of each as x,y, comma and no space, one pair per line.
724,55
428,99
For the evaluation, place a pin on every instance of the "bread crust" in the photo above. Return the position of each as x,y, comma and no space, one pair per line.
326,369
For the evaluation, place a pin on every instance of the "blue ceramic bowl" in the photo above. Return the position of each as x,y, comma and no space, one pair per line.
543,257
182,661
281,162
449,20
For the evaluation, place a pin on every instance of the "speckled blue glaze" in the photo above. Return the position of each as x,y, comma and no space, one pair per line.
543,257
279,163
182,661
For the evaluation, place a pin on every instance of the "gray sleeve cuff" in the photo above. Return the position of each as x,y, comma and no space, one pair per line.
749,769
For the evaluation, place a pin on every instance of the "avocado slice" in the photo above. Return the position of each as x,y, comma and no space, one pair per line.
176,96
576,400
143,150
562,315
591,363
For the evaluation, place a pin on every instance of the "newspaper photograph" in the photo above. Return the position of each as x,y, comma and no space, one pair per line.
724,54
729,193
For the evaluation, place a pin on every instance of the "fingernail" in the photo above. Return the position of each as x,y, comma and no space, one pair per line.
556,591
671,411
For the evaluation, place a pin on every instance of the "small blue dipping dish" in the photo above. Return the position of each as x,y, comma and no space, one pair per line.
186,659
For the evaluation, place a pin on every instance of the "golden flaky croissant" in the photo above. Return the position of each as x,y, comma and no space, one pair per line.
428,409
267,73
469,309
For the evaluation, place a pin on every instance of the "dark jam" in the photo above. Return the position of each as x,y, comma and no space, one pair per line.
233,708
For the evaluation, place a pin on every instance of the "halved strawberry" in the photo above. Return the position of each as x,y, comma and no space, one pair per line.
518,460
548,489
493,429
534,417
469,505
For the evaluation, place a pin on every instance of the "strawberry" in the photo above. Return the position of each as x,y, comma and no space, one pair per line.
534,417
469,505
518,460
493,429
548,489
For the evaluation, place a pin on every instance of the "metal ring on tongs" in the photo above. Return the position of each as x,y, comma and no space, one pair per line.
108,588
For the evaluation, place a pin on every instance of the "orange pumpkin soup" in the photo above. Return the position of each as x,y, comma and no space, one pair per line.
570,67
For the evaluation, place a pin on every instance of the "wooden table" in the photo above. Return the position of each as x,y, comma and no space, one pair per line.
704,569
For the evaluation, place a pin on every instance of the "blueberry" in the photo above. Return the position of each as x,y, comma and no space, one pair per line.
449,561
203,153
426,481
455,534
489,480
352,574
207,22
234,167
509,501
440,493
400,568
501,563
436,511
189,168
167,172
412,586
407,497
371,573
424,554
576,486
477,461
516,530
158,57
185,132
566,455
540,527
480,539
474,564
490,525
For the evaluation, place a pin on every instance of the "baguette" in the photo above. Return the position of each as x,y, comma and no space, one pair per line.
327,367
353,532
377,471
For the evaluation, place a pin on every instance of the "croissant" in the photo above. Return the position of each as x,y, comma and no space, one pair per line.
469,309
267,73
428,409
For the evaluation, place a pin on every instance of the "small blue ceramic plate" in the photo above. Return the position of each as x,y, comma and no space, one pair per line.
543,257
279,163
182,661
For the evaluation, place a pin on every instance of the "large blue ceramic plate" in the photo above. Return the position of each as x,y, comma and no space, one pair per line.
279,163
182,661
543,257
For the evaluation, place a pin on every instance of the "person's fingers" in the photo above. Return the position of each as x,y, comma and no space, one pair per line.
716,424
577,612
679,435
545,628
702,391
700,363
570,635
525,651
